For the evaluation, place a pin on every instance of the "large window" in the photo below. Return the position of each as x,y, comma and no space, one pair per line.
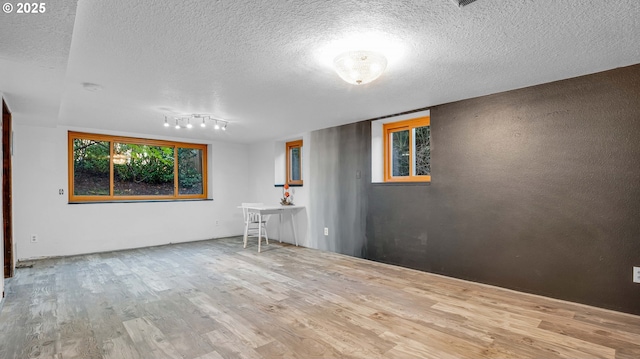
407,151
110,168
294,162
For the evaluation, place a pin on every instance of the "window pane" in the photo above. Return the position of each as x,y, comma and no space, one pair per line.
189,171
90,167
400,153
295,155
422,150
142,170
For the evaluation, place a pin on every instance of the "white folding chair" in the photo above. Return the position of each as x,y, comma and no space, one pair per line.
252,223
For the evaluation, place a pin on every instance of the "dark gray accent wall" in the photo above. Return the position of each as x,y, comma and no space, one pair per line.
340,166
536,190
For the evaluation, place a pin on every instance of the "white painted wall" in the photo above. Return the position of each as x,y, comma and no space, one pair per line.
263,161
40,169
280,161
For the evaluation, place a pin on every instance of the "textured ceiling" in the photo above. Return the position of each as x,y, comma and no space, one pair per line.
265,66
34,49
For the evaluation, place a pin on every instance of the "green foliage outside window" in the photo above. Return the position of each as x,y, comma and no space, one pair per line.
422,150
189,171
139,169
91,156
400,141
144,163
91,167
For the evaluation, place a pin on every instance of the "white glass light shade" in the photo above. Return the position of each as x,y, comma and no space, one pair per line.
360,67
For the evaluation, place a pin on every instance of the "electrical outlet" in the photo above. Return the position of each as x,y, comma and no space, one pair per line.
326,231
61,191
34,238
217,223
636,274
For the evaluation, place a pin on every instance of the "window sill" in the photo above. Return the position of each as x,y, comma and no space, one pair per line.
401,183
144,201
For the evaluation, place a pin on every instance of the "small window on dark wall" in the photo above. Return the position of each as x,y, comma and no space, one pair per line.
407,150
110,168
294,162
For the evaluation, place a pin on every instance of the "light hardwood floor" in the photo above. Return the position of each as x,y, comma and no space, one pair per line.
214,299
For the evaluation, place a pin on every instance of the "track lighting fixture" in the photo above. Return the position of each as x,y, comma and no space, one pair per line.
185,121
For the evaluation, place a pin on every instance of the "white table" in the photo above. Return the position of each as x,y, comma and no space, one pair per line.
273,209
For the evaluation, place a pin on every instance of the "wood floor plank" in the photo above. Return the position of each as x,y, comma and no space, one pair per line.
281,321
214,299
276,350
563,345
494,318
74,328
211,355
595,333
257,289
229,345
409,348
169,316
117,266
152,341
625,343
233,323
150,278
120,348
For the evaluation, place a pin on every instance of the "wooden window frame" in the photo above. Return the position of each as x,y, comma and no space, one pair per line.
136,141
387,130
291,145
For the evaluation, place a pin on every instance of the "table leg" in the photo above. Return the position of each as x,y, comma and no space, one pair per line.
259,230
246,232
280,226
293,228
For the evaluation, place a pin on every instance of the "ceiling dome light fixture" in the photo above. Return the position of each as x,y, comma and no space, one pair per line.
360,67
185,121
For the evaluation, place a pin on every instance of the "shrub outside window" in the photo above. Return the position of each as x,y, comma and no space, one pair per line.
113,168
407,151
